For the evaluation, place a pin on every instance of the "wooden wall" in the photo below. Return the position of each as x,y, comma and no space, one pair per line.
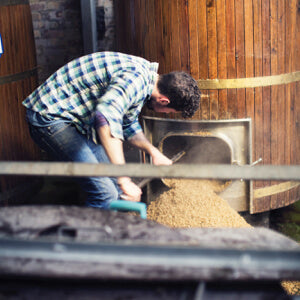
18,78
229,39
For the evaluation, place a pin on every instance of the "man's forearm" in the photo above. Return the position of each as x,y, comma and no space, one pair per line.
113,146
114,150
141,142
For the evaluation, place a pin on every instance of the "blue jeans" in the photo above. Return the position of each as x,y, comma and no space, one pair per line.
65,143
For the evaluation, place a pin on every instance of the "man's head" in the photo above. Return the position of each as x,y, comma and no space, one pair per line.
178,91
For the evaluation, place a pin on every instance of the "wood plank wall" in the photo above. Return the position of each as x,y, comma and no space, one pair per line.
18,58
223,39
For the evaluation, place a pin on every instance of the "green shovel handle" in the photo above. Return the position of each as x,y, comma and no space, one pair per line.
123,205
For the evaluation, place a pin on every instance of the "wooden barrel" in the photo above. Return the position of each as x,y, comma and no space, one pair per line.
245,56
18,78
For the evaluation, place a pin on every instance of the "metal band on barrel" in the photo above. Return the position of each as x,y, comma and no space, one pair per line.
275,189
18,76
13,2
251,82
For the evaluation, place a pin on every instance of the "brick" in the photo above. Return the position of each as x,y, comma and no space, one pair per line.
51,5
58,32
37,6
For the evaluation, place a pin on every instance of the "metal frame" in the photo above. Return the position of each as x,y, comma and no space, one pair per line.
174,262
89,26
200,171
235,134
192,125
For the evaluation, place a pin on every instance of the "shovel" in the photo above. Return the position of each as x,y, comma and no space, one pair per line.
141,208
174,159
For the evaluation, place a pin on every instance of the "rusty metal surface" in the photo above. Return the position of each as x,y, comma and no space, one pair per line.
147,262
82,224
73,242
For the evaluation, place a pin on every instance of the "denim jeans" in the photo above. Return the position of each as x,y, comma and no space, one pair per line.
65,143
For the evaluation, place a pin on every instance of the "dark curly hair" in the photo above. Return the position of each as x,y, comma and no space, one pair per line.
182,91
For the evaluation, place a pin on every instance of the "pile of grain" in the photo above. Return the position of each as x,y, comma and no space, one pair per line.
291,287
194,203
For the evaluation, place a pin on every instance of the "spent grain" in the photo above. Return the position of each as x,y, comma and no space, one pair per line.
194,203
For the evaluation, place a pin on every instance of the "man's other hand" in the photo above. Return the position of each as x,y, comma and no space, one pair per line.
131,191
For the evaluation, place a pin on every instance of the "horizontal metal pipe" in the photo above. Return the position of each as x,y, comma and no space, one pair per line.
18,76
191,171
172,260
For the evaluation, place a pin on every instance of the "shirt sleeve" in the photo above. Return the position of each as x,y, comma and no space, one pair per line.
131,127
122,102
99,120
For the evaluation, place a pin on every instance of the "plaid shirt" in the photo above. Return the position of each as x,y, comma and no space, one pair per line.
115,84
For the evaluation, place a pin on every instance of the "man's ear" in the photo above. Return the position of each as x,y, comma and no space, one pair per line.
164,100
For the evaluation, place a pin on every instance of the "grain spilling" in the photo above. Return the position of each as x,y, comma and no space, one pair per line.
194,203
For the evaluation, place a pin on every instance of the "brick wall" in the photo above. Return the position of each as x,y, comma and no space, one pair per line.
58,31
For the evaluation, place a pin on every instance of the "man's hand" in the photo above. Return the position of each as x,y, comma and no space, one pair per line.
160,159
131,191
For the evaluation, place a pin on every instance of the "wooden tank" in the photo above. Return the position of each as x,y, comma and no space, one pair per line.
245,56
18,78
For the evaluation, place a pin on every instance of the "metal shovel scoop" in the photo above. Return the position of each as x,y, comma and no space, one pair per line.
175,158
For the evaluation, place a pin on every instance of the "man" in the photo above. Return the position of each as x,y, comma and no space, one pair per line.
85,110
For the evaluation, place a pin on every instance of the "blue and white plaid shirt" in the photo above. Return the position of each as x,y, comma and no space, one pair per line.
115,84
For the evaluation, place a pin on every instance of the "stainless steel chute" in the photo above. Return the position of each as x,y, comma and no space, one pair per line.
205,142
